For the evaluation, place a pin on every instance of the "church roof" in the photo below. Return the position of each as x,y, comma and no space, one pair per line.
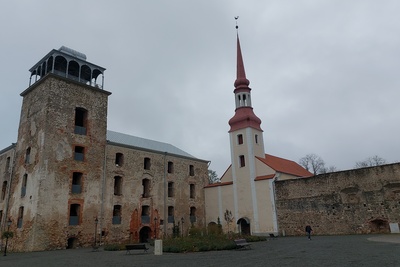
285,166
144,144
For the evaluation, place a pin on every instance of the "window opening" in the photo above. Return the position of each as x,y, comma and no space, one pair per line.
192,191
20,217
76,183
170,167
74,212
79,153
3,190
170,189
147,163
119,159
240,139
24,182
191,170
146,188
256,138
145,214
117,185
192,214
242,162
116,214
28,155
171,212
80,121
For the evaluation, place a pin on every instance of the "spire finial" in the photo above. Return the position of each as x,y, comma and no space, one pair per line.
236,18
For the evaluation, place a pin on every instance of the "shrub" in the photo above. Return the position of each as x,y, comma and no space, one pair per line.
114,247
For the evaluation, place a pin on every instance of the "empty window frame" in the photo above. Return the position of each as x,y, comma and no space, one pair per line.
170,189
146,188
28,155
74,213
24,183
191,170
147,164
3,190
80,121
79,153
170,167
145,214
119,159
20,217
240,139
171,212
242,162
192,189
192,214
116,214
76,187
117,185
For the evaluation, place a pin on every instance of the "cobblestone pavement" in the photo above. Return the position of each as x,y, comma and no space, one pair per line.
357,250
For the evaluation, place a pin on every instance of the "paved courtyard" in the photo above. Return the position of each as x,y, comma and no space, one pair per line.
358,250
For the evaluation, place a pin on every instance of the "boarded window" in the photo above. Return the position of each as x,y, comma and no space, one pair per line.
145,214
80,121
170,189
20,217
117,185
147,163
116,214
74,213
146,188
79,153
192,191
76,183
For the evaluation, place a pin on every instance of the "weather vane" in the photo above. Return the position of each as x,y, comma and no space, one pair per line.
236,18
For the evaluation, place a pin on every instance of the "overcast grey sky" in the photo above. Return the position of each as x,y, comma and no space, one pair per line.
324,74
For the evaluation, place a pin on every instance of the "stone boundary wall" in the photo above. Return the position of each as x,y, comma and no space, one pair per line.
358,201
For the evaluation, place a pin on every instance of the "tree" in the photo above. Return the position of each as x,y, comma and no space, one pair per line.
370,162
313,163
228,218
212,177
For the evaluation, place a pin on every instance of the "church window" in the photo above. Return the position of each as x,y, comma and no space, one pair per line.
240,139
117,185
80,121
256,138
147,163
119,159
242,162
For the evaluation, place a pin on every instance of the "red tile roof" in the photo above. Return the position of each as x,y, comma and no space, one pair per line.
218,184
285,166
264,177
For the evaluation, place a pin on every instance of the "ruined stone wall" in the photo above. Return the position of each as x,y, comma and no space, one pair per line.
133,226
347,202
6,163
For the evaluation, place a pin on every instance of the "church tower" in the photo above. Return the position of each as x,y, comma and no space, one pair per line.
246,142
58,172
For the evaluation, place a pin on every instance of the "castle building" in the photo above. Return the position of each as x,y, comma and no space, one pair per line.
69,182
244,200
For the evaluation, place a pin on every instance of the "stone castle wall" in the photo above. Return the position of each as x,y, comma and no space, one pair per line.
356,201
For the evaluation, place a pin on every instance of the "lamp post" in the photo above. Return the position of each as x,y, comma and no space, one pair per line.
8,233
96,221
155,227
182,221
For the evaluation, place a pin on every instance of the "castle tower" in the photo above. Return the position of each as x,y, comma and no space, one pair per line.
246,142
56,186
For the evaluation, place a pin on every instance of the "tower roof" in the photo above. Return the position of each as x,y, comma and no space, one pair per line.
241,80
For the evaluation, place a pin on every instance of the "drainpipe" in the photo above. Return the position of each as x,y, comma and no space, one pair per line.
9,186
102,191
165,196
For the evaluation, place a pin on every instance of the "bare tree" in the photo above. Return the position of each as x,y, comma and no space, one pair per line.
313,163
370,162
212,177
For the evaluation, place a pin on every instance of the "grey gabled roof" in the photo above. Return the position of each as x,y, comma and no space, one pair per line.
146,144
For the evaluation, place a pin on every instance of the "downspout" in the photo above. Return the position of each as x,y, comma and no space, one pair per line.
9,186
165,196
102,191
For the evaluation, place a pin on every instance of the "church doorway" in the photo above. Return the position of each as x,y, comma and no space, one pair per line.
144,234
244,226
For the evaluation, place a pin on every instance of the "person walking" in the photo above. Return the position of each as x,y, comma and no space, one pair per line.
308,231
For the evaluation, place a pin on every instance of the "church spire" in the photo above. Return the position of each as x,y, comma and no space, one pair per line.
244,116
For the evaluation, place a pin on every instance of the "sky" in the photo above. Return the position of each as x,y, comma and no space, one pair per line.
324,74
